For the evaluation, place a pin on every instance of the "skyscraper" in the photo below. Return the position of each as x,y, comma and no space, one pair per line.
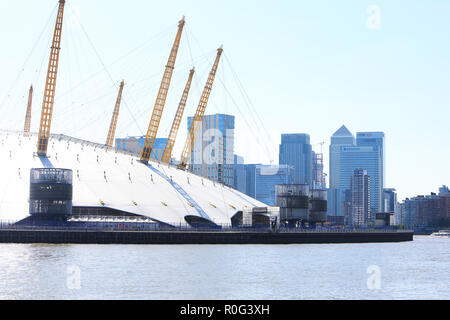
240,175
390,203
250,180
342,137
296,151
360,213
389,200
213,154
377,140
369,159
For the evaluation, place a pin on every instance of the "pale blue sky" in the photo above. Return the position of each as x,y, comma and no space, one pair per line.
307,66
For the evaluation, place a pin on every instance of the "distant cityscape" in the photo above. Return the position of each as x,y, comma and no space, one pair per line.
357,194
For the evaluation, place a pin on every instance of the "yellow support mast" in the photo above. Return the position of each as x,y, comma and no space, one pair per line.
195,125
50,86
115,117
177,121
161,98
27,127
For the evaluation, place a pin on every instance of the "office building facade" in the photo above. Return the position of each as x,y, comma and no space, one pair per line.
367,158
258,181
240,174
266,179
213,153
376,140
296,151
135,145
342,137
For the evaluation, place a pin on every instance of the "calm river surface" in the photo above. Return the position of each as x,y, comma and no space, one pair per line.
413,270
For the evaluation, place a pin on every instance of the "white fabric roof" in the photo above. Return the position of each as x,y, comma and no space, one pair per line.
128,185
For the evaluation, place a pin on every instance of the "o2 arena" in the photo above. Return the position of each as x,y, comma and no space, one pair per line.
49,179
111,183
59,189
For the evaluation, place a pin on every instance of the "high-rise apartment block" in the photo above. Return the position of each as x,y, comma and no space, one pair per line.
360,211
431,211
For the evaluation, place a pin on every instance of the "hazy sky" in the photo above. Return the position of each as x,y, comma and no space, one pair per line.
307,67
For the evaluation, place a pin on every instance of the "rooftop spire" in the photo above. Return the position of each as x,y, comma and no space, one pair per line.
343,132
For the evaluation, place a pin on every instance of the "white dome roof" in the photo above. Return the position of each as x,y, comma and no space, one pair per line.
157,191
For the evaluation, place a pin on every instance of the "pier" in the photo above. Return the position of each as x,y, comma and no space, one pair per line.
184,237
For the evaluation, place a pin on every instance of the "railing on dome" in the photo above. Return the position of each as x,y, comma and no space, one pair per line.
53,175
62,137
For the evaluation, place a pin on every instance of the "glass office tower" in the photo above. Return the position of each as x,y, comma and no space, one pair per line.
213,154
296,151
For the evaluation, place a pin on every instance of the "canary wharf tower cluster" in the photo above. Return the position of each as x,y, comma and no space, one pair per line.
349,157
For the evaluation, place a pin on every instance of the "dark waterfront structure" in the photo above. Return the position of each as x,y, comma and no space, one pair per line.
299,205
199,237
51,193
125,195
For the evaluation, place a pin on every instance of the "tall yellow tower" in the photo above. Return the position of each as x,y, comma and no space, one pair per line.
177,121
115,117
50,86
27,127
161,99
195,126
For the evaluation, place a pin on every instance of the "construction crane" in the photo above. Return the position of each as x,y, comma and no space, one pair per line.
50,86
321,146
113,126
26,129
177,121
161,98
319,176
195,126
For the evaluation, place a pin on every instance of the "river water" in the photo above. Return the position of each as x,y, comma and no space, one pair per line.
411,270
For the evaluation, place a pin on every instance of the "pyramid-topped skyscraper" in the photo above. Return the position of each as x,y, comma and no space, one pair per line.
342,137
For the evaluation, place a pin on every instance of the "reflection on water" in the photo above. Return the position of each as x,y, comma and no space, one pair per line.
413,270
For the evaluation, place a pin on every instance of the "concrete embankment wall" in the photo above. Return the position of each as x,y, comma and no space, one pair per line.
183,237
